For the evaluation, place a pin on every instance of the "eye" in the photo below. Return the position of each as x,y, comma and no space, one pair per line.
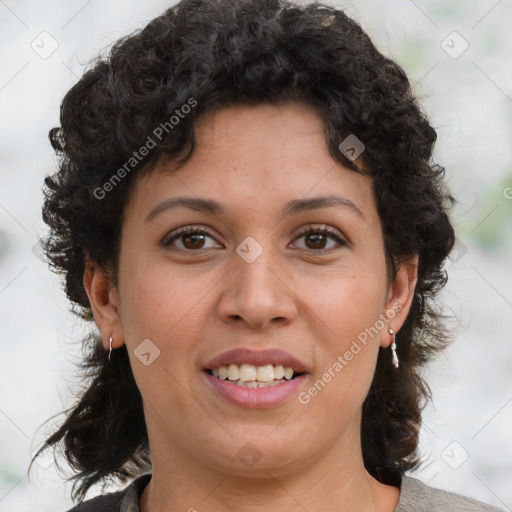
190,237
317,237
193,238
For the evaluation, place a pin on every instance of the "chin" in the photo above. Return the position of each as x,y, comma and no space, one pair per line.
256,453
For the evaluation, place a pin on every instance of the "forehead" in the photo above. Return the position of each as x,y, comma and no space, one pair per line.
255,158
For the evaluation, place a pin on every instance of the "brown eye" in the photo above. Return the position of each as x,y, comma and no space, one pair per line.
187,239
317,238
193,241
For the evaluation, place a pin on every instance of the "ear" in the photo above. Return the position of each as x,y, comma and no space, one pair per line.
399,299
104,300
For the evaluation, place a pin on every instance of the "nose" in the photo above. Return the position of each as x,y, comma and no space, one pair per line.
259,293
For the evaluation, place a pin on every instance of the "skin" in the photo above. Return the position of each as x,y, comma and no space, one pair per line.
310,297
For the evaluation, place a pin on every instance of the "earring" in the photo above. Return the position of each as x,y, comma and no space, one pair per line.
393,348
110,350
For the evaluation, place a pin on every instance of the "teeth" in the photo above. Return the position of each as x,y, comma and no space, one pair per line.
249,375
233,372
256,384
265,373
279,372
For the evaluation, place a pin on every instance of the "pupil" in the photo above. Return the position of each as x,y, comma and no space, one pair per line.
317,239
195,239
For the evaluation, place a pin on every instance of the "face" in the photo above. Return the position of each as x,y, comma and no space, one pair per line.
267,264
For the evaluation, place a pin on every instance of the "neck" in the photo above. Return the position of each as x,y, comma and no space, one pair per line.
333,481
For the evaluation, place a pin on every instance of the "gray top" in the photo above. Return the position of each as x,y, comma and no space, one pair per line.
415,496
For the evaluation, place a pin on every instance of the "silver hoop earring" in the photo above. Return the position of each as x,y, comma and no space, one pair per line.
393,348
110,349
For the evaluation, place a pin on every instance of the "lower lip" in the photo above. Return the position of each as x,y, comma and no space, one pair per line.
255,398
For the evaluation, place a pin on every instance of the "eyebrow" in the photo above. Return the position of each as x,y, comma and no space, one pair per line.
211,206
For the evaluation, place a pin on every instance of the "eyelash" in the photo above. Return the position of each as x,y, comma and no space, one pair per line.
333,233
324,230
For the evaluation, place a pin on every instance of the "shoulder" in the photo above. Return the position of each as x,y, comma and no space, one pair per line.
125,500
415,496
105,503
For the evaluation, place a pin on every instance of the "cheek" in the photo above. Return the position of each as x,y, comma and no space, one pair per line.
346,302
160,300
169,308
346,309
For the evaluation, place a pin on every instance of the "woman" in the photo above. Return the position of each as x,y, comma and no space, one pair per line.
247,209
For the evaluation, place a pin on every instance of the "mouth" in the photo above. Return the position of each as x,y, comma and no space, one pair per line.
255,379
251,376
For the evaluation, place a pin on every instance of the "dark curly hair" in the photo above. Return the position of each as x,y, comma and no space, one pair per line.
220,53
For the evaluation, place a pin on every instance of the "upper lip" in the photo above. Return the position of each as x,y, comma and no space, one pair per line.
257,358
